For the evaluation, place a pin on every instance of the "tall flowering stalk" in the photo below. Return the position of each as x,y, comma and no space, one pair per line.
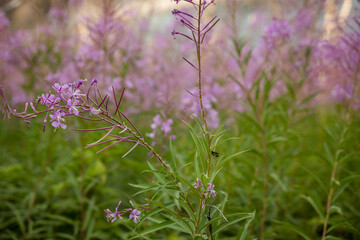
198,32
191,207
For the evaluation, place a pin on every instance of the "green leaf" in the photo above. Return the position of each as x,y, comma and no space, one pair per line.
191,187
243,232
152,212
187,208
349,156
19,219
177,219
233,218
293,228
276,140
154,228
157,174
236,217
252,121
337,209
317,179
221,163
315,205
172,154
279,181
332,238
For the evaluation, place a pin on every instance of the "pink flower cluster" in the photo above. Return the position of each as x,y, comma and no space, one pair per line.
134,213
209,189
122,52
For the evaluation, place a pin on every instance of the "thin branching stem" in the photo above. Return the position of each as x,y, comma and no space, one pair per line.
198,51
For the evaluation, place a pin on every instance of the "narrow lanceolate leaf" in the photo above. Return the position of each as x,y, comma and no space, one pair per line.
232,219
315,205
157,174
172,156
176,218
191,187
245,229
152,212
294,228
227,159
154,228
201,150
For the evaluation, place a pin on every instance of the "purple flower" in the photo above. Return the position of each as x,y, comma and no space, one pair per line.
166,126
135,215
72,106
94,111
211,190
57,119
276,32
59,88
341,92
74,93
4,22
49,100
112,216
198,184
157,121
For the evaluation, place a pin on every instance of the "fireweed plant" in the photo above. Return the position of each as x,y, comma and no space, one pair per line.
288,94
191,206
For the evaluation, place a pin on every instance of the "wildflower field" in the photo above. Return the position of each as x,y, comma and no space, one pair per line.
181,119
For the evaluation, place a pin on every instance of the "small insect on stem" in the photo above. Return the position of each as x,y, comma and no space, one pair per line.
215,154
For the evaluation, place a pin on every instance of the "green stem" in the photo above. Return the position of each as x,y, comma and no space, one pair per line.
203,113
328,204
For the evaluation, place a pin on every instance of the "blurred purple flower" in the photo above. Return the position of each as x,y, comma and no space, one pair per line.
94,111
160,123
341,93
276,32
166,126
4,22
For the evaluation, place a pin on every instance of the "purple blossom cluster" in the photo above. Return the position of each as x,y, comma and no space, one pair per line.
164,125
209,190
338,64
134,213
